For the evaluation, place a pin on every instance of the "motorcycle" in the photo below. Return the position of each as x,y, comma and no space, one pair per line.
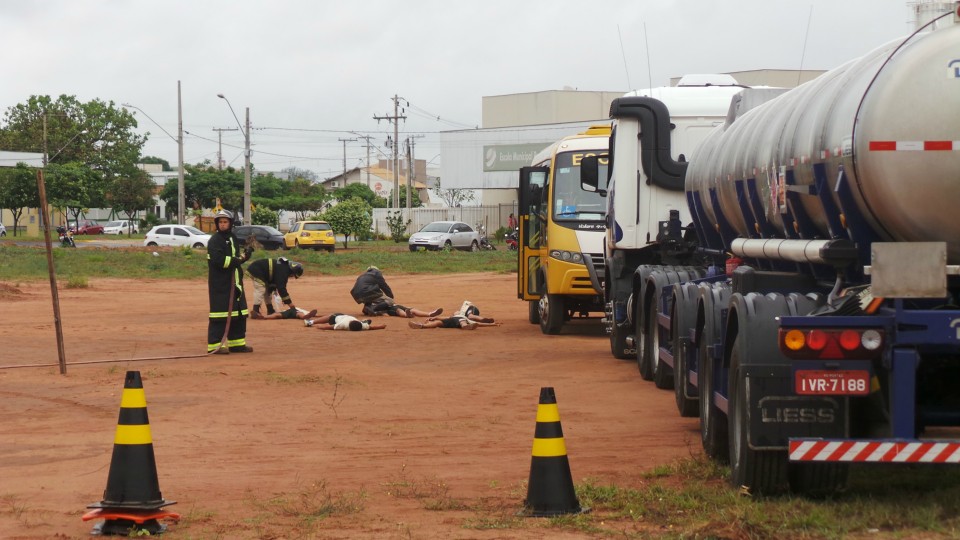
66,237
484,243
512,240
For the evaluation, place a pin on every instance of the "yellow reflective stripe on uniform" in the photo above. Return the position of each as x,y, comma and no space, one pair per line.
269,269
226,262
237,342
548,413
549,448
133,434
133,398
223,314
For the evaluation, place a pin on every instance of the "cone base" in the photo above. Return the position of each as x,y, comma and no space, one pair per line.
151,505
529,512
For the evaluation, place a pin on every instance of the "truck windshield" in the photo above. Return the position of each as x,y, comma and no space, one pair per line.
570,202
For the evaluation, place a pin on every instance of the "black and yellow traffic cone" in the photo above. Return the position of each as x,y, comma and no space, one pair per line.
132,499
550,488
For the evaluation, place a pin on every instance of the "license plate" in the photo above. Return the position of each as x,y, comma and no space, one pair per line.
832,382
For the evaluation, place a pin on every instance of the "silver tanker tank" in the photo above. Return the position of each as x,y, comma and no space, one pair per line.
890,118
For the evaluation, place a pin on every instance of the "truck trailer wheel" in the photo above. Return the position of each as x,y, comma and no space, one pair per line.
618,342
683,319
662,373
760,471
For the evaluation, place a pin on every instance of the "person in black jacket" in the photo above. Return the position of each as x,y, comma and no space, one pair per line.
228,302
271,275
372,291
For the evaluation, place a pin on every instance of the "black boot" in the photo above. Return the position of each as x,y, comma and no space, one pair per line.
255,314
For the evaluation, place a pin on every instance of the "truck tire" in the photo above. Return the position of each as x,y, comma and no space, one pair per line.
713,425
762,472
640,334
682,320
552,313
662,373
533,311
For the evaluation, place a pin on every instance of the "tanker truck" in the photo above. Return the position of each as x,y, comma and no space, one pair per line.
795,281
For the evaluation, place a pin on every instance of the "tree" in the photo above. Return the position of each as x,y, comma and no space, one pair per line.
305,198
132,193
18,190
452,197
294,173
414,198
74,188
96,133
398,228
353,216
265,216
362,191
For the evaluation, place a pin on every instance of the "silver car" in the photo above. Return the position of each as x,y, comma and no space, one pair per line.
445,234
176,235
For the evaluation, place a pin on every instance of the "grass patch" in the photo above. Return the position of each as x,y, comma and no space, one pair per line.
29,263
77,282
433,493
305,507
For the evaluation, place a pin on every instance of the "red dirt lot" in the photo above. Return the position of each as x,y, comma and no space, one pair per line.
397,433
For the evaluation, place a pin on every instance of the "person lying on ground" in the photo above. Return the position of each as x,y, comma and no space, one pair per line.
339,321
372,291
472,312
455,321
290,313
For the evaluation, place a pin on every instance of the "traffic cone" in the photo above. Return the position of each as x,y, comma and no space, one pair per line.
132,499
550,488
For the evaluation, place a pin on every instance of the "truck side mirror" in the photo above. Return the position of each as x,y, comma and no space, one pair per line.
590,175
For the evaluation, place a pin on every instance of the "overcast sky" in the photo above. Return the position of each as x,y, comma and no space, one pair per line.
313,72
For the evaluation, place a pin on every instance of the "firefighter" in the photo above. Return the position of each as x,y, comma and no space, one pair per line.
228,302
271,275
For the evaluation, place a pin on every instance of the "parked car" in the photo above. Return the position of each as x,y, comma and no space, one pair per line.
267,237
86,226
311,234
121,226
3,230
445,234
176,235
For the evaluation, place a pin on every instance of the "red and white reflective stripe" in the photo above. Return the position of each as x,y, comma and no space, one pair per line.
874,451
913,146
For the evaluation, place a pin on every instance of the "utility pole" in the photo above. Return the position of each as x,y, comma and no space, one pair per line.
345,141
181,197
396,142
411,166
368,146
247,217
220,145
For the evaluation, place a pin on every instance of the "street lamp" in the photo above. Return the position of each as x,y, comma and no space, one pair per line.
181,192
247,217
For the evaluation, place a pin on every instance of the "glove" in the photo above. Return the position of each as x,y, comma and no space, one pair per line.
247,252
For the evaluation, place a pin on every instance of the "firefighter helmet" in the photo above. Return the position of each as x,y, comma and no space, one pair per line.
223,214
296,269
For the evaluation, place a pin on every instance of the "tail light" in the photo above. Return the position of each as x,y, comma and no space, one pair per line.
831,343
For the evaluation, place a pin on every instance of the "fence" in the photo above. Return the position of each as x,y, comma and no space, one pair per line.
492,217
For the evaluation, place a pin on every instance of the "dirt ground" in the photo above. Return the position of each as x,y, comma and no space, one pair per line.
397,433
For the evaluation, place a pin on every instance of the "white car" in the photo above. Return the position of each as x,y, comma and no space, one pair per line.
120,226
176,235
3,230
445,235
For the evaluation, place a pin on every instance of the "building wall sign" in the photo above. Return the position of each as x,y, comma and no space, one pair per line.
509,157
